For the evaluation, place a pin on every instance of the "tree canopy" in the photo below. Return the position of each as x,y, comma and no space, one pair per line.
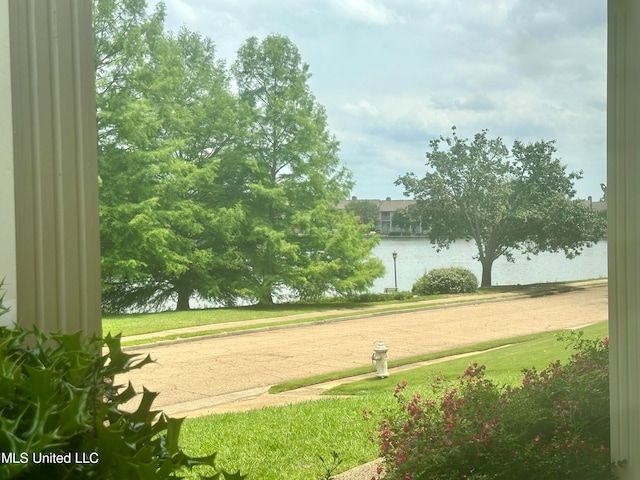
506,201
209,193
367,211
295,237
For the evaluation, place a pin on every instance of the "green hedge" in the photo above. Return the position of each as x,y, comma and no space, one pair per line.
446,280
381,297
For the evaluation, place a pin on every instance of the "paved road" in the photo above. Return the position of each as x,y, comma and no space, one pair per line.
194,375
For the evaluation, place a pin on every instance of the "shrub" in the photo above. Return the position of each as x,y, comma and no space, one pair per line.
366,297
554,426
381,297
446,280
58,400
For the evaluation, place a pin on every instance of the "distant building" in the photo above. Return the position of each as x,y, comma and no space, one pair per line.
387,208
597,206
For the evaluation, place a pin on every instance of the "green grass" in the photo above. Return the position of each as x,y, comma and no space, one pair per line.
139,323
327,377
285,443
503,365
267,324
136,324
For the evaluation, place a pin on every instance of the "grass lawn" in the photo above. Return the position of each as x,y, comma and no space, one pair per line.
136,324
504,365
285,443
327,377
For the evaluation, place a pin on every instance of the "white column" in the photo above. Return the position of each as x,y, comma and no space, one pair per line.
623,205
7,203
54,154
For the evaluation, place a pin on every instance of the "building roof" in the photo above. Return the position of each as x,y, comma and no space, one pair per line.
387,205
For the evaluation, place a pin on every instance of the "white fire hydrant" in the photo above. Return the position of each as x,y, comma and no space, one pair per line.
379,360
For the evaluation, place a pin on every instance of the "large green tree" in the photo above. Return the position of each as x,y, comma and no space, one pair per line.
367,211
408,219
291,178
507,201
165,119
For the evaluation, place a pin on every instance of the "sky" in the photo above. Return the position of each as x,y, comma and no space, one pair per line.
394,74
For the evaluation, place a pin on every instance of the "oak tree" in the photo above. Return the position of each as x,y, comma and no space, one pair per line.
506,201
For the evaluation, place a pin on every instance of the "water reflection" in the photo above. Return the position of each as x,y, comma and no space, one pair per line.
417,255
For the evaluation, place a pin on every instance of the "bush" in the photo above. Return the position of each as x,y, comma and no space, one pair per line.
446,280
58,400
554,426
380,297
367,297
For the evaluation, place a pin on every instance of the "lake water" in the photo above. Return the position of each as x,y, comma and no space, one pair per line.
417,255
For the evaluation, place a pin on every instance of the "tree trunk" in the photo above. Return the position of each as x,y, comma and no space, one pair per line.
487,264
265,295
183,300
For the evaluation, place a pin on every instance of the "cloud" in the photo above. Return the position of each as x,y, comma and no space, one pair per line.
407,129
365,11
475,102
362,108
183,10
559,41
394,74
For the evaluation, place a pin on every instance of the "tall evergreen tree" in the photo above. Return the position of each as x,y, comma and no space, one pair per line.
205,193
295,238
165,118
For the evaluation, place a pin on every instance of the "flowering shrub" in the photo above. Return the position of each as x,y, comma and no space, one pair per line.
554,426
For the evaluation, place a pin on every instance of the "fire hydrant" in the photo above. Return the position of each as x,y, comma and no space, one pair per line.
379,360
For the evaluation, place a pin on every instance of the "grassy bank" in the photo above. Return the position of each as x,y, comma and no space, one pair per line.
292,313
286,443
140,323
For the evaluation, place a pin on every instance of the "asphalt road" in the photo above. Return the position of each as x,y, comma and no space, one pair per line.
197,374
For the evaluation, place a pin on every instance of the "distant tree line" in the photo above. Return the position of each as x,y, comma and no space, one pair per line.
216,182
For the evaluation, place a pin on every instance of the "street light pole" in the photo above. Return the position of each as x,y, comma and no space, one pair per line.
395,276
